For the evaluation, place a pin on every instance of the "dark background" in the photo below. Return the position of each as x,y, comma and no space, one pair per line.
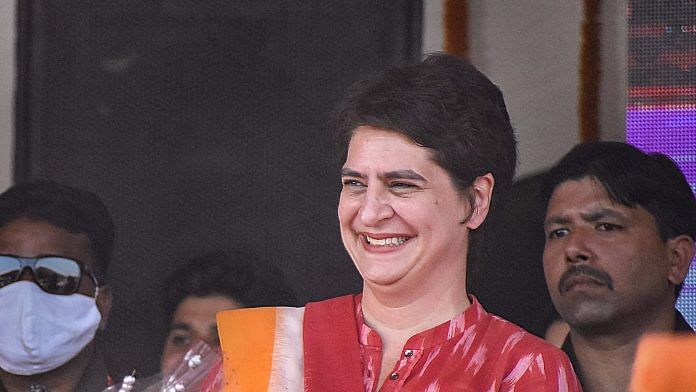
203,126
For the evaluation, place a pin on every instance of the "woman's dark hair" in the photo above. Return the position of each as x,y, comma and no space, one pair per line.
447,106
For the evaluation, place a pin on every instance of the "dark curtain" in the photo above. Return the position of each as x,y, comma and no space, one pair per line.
203,127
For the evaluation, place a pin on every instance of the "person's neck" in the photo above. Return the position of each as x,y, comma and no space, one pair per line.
606,359
63,379
415,309
396,315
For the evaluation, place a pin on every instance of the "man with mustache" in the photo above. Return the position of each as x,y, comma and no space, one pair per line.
620,227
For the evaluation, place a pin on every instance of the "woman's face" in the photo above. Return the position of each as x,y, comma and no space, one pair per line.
400,214
193,321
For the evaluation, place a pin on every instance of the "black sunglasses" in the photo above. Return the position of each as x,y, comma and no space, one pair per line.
54,274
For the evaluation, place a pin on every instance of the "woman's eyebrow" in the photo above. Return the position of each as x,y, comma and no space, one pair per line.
348,172
406,174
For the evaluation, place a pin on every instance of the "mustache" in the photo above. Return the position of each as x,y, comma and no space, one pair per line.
584,270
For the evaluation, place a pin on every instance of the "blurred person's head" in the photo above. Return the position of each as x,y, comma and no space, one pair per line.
194,293
556,329
438,130
55,247
620,227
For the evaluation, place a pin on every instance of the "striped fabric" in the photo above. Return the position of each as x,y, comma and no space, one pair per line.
265,352
327,347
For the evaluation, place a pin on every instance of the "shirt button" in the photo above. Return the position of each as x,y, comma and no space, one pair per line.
408,353
394,376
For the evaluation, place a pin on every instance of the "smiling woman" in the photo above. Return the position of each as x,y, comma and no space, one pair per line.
400,215
428,155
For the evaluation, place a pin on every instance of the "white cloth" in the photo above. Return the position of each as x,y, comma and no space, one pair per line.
40,331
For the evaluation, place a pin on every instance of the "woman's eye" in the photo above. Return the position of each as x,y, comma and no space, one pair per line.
403,187
352,183
557,233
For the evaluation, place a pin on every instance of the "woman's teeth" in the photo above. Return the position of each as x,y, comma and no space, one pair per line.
391,241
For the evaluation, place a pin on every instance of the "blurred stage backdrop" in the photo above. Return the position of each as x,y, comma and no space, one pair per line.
203,125
661,104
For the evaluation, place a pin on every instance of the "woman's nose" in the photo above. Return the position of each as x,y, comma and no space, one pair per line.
375,208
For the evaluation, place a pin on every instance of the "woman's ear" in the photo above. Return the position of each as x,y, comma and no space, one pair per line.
481,193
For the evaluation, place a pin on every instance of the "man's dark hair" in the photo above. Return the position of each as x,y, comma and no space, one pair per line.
235,275
73,209
632,178
448,106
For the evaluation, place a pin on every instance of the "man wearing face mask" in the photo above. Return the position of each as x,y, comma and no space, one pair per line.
55,246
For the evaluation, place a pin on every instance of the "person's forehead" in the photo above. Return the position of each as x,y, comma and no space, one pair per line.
378,145
588,197
369,133
577,196
31,238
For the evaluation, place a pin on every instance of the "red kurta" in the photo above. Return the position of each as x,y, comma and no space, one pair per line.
475,351
328,347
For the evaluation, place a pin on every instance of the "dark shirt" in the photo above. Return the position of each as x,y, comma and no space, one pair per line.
680,325
95,378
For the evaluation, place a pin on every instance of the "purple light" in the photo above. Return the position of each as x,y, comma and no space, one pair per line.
670,130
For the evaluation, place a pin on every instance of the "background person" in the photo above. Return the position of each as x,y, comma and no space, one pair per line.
55,247
620,227
208,284
556,328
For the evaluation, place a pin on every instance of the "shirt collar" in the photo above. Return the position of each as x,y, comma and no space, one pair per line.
426,339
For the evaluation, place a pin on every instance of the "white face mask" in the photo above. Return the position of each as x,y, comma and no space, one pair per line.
41,331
